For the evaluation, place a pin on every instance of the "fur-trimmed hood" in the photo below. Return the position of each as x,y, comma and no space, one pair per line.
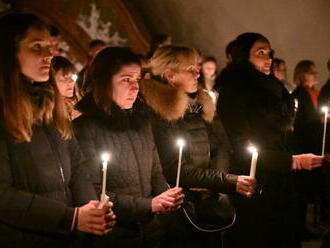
171,104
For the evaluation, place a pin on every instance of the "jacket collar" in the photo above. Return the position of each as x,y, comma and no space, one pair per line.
172,104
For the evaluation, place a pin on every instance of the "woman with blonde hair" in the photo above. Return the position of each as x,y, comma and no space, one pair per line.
45,191
308,133
180,110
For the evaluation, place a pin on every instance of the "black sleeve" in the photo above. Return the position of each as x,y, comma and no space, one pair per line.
80,184
191,176
233,111
28,211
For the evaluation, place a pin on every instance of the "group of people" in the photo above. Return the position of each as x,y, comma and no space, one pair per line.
52,139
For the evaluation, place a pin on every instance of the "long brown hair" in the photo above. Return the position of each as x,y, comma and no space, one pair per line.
18,110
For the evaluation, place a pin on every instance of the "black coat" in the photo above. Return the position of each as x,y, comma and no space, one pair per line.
134,172
206,153
205,158
308,127
256,109
40,183
324,97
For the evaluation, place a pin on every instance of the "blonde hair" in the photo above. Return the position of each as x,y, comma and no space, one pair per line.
302,68
171,57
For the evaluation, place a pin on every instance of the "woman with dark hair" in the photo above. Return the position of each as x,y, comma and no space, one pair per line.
113,120
43,181
256,109
65,77
180,110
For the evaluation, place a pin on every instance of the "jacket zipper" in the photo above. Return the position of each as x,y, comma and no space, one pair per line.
50,139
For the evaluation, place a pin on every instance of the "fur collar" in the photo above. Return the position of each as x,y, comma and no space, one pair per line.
171,104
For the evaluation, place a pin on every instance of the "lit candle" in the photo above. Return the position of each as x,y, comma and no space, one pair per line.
325,110
180,143
105,157
296,104
254,159
74,77
213,96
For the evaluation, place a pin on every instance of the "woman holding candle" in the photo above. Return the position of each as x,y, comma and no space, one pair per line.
43,181
308,131
256,108
180,110
114,121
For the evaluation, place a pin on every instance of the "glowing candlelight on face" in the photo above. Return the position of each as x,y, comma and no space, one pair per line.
74,77
254,159
105,157
324,109
181,144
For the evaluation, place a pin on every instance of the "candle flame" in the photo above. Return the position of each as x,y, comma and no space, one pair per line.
213,96
252,149
325,109
74,77
105,157
180,142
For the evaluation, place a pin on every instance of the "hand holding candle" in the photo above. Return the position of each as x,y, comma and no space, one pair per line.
105,157
254,159
181,144
324,109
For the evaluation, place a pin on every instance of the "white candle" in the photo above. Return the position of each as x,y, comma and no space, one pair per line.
254,159
296,104
180,143
325,110
105,157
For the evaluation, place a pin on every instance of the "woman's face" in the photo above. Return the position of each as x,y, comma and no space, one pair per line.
34,55
209,68
125,86
311,77
280,71
260,56
65,83
185,78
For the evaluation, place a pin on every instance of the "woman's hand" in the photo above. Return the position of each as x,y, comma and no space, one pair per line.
94,220
246,185
169,200
306,161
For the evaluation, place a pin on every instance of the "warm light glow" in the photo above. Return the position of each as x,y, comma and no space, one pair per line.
180,142
105,157
296,103
213,96
252,149
325,109
74,77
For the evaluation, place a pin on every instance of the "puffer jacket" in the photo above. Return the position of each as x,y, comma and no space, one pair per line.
40,183
206,153
134,172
